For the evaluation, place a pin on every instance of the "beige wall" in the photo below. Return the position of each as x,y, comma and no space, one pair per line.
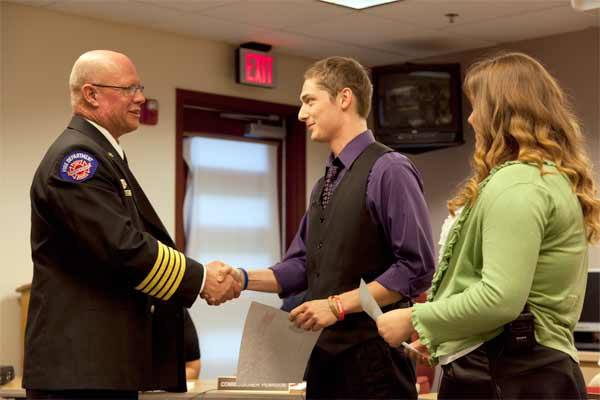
573,58
316,156
38,50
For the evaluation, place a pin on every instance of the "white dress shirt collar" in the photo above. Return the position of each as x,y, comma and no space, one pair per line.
109,137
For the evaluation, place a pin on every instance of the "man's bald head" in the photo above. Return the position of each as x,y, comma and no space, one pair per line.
106,89
94,66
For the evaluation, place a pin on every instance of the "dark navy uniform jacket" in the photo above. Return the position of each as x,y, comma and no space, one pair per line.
109,287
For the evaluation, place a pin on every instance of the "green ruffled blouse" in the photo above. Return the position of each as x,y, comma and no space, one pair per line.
523,240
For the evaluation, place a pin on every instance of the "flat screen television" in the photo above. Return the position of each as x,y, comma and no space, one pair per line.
418,107
587,330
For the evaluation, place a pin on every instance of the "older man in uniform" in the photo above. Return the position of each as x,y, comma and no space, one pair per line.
109,286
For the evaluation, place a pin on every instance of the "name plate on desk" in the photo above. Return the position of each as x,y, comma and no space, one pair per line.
230,383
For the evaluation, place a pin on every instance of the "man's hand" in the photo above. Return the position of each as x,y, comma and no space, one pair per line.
395,326
313,315
237,275
221,283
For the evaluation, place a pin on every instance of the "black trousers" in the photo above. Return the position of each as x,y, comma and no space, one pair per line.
81,394
370,370
491,373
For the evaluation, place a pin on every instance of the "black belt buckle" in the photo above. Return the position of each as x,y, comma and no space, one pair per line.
519,335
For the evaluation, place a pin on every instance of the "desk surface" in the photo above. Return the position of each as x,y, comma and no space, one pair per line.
12,389
201,390
589,356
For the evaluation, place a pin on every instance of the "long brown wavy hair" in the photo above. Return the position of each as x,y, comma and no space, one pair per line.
521,113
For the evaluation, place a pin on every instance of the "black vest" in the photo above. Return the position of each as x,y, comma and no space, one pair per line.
343,246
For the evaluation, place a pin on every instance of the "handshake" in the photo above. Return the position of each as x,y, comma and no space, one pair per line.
223,283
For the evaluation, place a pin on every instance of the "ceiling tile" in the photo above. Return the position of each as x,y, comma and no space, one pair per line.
201,26
33,3
367,57
527,26
358,29
276,14
355,28
128,12
306,46
189,5
431,13
433,44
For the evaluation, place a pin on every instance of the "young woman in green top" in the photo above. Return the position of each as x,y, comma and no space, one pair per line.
519,244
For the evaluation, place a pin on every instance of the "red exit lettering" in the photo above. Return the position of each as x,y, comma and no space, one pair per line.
259,68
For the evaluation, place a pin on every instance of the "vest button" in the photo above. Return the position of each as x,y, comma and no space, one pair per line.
320,245
152,309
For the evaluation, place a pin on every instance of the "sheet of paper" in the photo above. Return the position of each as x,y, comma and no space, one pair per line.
370,306
273,350
368,303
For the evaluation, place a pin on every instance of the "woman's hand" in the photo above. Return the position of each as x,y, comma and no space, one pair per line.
395,326
421,353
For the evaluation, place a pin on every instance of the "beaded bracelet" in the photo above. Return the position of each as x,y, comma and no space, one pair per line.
333,307
340,308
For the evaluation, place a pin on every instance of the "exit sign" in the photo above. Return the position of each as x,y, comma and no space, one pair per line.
255,68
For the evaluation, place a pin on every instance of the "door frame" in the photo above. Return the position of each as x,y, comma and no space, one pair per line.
294,166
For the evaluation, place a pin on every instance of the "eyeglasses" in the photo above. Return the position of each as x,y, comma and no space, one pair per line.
129,90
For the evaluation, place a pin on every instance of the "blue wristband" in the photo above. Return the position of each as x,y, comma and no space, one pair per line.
245,278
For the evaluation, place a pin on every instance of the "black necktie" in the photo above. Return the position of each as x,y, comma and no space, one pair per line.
330,176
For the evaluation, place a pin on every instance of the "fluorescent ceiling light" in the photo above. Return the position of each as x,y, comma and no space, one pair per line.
585,5
359,4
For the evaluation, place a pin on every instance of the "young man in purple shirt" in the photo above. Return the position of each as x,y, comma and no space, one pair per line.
367,218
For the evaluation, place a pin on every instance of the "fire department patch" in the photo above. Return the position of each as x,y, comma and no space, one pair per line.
78,166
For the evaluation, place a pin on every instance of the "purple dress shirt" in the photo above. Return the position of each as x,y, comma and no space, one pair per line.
395,201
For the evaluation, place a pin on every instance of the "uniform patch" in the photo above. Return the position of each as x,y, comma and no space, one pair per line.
78,166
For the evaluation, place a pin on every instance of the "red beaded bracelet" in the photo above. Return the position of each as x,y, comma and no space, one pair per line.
342,313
